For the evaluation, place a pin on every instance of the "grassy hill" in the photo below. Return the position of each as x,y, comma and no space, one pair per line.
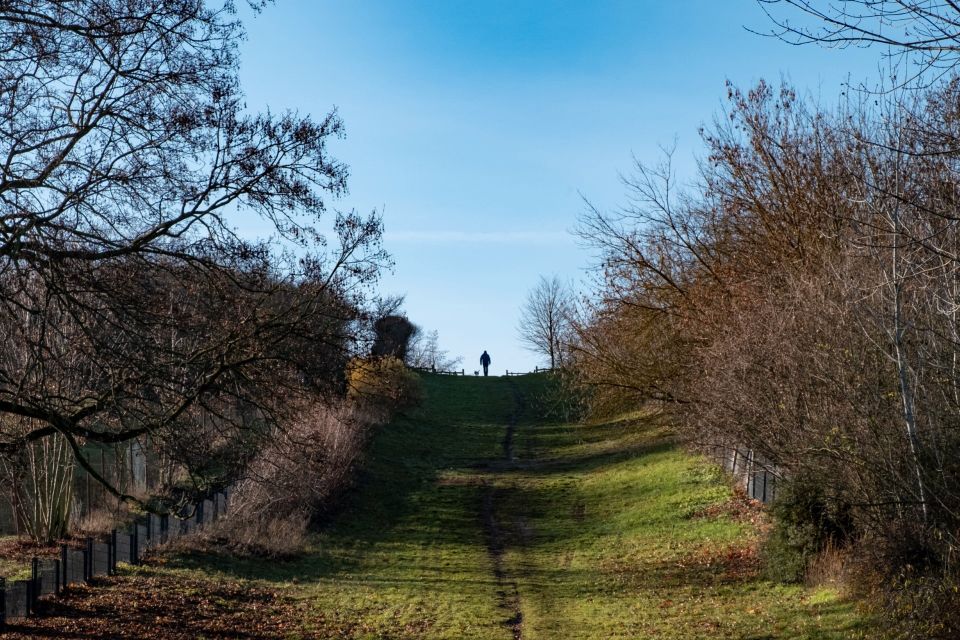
476,518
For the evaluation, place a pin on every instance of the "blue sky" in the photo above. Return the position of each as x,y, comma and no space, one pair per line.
476,126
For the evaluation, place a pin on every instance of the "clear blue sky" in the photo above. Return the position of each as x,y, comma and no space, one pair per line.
475,125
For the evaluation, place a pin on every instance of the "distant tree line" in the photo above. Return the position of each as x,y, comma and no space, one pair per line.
396,336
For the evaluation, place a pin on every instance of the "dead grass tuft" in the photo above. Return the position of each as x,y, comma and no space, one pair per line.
830,567
100,522
297,476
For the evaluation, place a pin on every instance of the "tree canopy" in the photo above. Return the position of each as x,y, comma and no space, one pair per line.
130,304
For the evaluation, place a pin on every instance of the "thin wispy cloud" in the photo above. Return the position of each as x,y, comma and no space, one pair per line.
478,237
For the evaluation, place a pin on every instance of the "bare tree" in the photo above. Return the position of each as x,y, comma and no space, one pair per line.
545,319
384,306
801,301
129,305
928,28
425,352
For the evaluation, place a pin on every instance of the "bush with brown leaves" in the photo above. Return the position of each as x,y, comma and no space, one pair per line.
295,479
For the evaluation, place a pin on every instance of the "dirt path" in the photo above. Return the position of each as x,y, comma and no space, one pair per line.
491,515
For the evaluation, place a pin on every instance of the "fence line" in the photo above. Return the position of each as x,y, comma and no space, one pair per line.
525,373
756,475
50,576
462,372
130,466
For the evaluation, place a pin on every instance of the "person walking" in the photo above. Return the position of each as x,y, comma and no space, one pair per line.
485,361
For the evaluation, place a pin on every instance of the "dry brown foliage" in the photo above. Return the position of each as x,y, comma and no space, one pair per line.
293,480
164,606
382,386
802,301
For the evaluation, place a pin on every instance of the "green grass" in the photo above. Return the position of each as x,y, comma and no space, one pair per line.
406,557
615,549
600,525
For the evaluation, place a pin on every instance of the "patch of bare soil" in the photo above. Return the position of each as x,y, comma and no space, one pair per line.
496,541
507,591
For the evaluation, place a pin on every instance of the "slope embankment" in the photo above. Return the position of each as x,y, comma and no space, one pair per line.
477,517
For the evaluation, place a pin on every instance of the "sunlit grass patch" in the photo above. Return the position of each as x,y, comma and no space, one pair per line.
623,548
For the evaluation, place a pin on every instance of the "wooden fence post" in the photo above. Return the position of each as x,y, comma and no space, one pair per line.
112,561
63,564
88,560
33,587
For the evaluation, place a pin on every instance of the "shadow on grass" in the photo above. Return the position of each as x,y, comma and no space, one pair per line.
399,496
406,517
588,462
423,486
402,498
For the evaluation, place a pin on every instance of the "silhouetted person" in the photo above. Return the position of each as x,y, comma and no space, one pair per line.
485,362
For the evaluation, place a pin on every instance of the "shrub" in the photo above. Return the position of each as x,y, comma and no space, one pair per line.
805,524
922,607
565,398
383,385
910,570
292,481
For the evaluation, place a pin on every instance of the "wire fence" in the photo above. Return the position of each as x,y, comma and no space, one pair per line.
49,577
757,476
131,467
